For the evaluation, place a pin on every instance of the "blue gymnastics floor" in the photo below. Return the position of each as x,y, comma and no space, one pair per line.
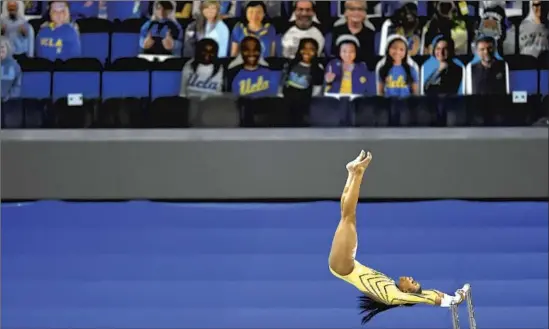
161,265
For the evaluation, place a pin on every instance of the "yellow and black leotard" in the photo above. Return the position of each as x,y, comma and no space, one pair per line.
382,288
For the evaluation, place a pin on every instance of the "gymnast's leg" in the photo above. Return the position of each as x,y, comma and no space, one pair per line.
344,244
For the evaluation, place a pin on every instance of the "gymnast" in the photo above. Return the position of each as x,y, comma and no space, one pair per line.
380,293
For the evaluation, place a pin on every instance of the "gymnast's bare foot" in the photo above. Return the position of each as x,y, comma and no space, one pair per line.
360,163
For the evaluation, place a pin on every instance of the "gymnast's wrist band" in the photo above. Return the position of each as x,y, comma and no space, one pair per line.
448,300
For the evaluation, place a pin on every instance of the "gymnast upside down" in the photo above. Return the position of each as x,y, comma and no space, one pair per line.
380,292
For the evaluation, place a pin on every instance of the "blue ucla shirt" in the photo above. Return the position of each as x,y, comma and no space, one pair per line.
261,82
61,42
395,83
266,36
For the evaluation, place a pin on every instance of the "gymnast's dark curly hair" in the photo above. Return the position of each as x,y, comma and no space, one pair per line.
371,308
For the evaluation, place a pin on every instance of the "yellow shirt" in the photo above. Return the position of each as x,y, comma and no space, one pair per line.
346,83
383,289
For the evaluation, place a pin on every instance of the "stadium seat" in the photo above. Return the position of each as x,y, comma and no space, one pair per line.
125,38
37,113
543,65
499,110
12,114
74,117
166,77
523,73
169,112
95,34
427,112
36,90
37,78
121,113
329,112
127,77
265,112
77,76
372,111
214,112
453,109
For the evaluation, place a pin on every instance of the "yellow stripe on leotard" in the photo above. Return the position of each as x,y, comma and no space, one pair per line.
382,288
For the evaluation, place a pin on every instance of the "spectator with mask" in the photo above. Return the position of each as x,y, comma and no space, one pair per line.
486,74
345,75
533,31
397,74
16,28
448,21
209,25
251,79
404,22
203,74
442,73
355,22
11,71
58,38
162,34
254,24
303,27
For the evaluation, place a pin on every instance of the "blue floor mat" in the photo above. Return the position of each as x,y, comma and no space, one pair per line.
164,265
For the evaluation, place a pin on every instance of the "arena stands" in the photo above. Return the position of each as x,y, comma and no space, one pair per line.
381,64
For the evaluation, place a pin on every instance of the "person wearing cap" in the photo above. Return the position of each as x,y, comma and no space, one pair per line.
488,74
58,38
345,75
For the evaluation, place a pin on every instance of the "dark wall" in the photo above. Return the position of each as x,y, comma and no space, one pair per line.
273,163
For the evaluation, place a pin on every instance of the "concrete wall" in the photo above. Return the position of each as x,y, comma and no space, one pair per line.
273,163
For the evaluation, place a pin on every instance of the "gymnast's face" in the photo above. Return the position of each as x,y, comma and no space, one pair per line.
408,284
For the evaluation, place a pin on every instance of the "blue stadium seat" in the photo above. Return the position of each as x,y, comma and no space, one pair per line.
36,90
328,44
125,38
79,76
95,34
37,78
523,73
543,62
127,77
166,78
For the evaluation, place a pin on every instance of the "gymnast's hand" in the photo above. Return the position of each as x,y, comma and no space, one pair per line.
462,293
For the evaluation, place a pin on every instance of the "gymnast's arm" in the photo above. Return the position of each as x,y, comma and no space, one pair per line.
429,297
